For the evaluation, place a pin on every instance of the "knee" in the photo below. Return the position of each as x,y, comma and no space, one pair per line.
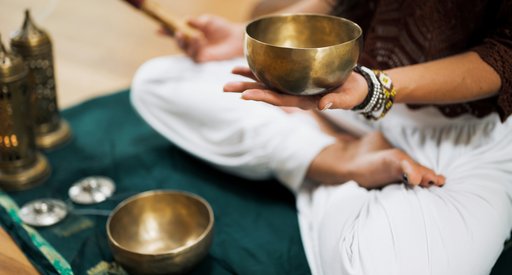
156,83
146,82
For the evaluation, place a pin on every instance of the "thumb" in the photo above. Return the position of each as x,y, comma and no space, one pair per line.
336,100
200,22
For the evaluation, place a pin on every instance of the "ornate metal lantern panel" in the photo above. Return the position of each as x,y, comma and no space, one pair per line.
35,46
21,166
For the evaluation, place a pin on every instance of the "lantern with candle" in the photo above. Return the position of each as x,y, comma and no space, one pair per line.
21,166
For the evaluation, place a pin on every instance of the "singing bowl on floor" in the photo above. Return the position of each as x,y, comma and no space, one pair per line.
160,232
302,54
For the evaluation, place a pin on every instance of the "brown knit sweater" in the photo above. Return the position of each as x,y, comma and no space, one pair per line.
405,32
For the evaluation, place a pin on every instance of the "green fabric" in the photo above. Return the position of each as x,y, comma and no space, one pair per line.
256,229
29,240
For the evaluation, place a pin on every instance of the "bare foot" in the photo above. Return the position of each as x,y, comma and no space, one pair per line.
370,161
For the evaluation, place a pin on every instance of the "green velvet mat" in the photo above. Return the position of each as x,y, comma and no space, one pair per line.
256,229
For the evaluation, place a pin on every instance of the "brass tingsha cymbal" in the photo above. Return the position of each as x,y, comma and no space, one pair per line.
91,190
43,212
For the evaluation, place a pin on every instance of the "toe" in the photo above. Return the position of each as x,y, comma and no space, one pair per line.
429,178
412,172
441,180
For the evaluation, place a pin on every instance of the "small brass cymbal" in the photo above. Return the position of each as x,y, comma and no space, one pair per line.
43,212
91,190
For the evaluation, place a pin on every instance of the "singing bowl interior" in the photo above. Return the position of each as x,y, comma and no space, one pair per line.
302,54
160,231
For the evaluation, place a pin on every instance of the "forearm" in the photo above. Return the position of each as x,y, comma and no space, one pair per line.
460,78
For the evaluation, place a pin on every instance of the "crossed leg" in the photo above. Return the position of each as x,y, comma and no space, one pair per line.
185,103
347,229
457,229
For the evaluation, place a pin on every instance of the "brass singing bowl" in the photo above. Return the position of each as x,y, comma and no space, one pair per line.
160,232
302,54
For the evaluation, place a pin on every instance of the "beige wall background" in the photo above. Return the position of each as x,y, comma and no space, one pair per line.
99,44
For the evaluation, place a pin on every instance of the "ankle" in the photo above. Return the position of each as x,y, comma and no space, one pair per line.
331,165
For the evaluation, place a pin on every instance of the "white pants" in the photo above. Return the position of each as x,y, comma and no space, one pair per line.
456,229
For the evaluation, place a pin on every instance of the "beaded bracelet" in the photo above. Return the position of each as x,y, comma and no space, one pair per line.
366,101
381,94
389,92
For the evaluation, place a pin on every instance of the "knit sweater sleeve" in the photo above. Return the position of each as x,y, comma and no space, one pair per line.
496,50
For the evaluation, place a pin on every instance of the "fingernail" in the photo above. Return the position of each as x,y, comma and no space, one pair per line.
405,179
247,94
327,106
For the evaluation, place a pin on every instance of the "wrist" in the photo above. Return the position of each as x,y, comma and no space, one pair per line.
368,88
380,96
398,85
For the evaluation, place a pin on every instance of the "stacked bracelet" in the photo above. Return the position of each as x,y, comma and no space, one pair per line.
358,69
381,94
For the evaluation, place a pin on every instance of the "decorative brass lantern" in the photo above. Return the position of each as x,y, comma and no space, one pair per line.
35,47
21,166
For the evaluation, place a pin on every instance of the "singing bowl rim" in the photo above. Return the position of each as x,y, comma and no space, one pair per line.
175,251
352,23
